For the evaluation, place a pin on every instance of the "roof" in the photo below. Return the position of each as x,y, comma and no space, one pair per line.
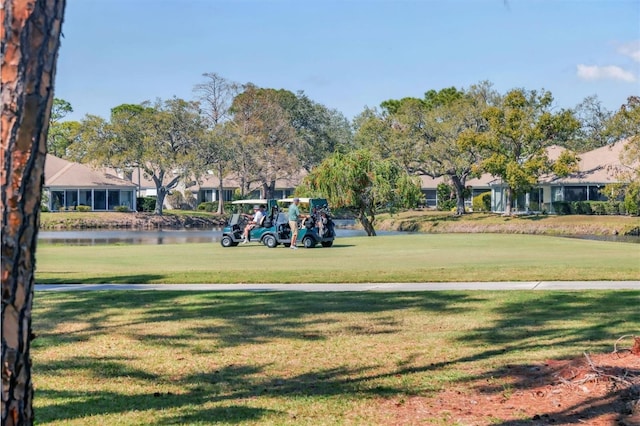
601,165
484,181
60,173
250,201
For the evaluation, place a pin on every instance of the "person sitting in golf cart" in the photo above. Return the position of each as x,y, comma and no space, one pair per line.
254,220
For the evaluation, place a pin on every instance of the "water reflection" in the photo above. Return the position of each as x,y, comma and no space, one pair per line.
177,236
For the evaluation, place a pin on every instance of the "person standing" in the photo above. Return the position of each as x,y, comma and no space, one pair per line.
294,215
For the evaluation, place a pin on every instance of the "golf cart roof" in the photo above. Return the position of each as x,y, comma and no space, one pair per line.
303,200
250,201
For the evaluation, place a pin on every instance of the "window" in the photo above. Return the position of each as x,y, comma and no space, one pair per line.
126,199
85,198
535,199
557,193
114,199
100,199
430,197
595,195
575,193
71,198
206,196
57,200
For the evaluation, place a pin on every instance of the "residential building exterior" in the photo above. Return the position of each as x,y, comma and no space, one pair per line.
596,169
68,185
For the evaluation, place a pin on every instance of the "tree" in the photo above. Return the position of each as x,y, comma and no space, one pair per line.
593,118
320,131
625,125
216,95
30,41
267,143
453,124
61,133
363,182
159,138
521,128
432,136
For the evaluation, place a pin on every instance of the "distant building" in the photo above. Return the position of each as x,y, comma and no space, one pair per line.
68,185
596,169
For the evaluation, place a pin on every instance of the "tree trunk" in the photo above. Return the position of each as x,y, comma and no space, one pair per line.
220,189
508,195
30,42
458,185
161,192
366,223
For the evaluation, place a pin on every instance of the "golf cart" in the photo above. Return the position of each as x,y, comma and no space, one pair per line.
263,232
317,228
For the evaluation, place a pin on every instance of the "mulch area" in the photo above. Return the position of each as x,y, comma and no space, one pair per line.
590,389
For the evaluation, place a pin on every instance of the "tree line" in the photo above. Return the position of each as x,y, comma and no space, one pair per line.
259,135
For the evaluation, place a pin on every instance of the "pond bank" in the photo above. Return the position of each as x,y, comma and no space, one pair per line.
411,221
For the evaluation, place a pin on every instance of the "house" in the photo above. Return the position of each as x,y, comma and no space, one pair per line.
596,169
207,190
68,185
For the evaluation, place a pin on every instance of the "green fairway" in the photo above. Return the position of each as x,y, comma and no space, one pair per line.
290,358
398,258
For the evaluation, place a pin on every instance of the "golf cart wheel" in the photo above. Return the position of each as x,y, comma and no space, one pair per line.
226,241
309,242
327,243
270,241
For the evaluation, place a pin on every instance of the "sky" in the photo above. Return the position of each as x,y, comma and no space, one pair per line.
348,54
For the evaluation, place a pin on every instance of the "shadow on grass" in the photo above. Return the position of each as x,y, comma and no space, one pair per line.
113,279
522,321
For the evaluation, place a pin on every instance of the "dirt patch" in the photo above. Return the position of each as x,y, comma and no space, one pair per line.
597,390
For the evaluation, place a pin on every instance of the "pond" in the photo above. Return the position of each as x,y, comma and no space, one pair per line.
160,236
177,236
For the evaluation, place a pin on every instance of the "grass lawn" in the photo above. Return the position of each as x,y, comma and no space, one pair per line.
199,358
397,258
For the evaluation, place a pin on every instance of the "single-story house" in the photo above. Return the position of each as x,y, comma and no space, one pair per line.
68,185
596,169
477,186
207,190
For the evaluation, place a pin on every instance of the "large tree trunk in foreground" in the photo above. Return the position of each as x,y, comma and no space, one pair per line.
30,40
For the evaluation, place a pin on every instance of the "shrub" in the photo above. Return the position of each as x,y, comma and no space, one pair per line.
482,202
632,200
208,206
446,197
561,207
580,207
83,208
175,199
146,204
598,207
121,208
614,208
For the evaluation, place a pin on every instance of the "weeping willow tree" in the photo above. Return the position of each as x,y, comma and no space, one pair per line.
360,181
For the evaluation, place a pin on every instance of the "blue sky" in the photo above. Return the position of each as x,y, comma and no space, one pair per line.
347,54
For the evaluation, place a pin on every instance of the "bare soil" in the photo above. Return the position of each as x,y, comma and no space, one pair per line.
598,390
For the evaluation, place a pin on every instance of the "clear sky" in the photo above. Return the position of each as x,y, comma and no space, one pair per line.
347,54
